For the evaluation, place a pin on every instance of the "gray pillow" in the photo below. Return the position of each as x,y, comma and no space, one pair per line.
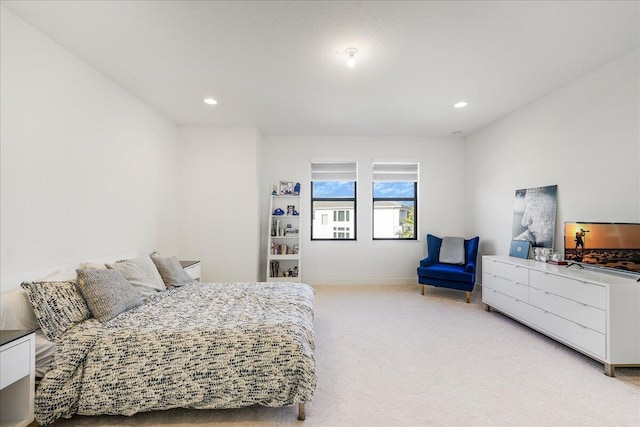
57,305
142,274
452,250
172,272
107,293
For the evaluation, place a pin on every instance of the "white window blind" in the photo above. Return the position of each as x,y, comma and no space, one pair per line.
334,171
395,171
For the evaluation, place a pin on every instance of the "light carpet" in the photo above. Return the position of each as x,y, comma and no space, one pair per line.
388,356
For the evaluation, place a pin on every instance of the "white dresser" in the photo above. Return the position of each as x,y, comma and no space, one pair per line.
592,311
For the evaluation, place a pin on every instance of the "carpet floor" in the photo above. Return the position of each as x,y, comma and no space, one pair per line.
388,356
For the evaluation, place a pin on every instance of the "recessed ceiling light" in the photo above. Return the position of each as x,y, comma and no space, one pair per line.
351,52
210,101
456,133
461,104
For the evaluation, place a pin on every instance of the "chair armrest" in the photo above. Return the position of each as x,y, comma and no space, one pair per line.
426,262
470,267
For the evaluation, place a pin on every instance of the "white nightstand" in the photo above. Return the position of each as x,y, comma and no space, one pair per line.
17,377
192,268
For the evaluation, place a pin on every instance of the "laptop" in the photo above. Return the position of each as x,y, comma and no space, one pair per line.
520,248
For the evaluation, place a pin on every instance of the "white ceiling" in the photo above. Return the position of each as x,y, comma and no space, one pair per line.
281,65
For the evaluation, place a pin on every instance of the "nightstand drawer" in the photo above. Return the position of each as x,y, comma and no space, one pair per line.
14,363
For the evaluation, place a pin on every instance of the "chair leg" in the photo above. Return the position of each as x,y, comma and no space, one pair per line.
422,289
468,297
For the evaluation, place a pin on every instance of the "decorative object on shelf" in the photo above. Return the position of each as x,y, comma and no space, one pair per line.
286,188
278,211
296,189
290,209
274,192
534,216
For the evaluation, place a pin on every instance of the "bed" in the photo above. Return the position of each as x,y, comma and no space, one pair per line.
198,345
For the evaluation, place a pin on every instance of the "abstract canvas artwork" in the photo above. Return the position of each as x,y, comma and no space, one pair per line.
534,216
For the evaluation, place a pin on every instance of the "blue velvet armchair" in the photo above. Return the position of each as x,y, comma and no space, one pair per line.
455,276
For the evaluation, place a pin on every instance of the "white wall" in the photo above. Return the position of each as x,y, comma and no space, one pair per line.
87,170
584,137
440,211
219,208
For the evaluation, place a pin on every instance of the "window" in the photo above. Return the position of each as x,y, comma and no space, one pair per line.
333,200
395,201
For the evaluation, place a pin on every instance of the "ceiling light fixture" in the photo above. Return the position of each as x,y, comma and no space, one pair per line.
351,52
210,101
461,104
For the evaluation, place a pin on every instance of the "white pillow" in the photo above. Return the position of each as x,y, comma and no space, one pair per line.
16,311
142,274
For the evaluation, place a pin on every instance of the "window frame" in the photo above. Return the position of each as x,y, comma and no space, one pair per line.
353,199
390,172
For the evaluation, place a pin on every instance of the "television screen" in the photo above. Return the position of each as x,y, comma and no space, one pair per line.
608,245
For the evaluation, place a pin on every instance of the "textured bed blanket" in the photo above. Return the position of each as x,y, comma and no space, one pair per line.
200,346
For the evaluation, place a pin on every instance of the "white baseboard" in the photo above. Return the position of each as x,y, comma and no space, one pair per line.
360,281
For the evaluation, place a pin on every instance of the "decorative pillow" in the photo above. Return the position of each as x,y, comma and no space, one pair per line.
57,305
142,273
107,293
16,311
452,250
172,272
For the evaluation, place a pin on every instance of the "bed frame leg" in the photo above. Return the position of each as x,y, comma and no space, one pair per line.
301,414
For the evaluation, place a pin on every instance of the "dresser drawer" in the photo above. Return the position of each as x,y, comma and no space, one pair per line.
14,363
514,308
511,272
571,333
577,290
516,290
586,315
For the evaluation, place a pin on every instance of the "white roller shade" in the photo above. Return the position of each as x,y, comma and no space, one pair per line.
395,171
334,171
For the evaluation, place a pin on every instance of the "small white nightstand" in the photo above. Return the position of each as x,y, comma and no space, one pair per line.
17,377
192,268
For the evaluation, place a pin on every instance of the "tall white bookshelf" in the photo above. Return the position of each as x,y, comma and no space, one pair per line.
284,253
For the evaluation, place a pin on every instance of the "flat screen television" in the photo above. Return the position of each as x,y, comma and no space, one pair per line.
607,245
